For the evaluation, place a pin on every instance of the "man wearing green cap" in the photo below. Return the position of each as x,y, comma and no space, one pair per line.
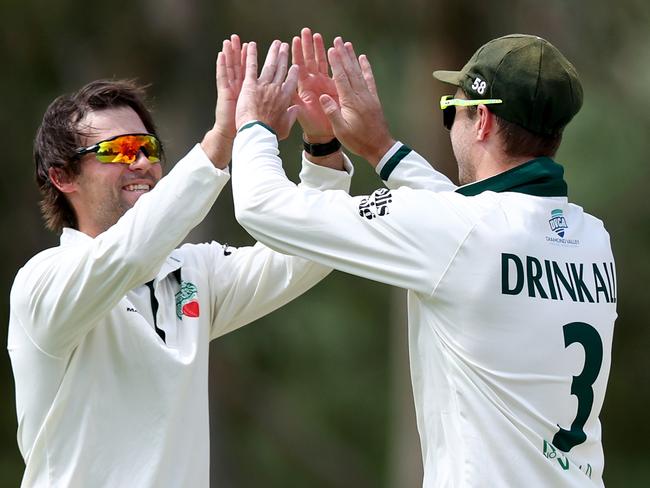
511,288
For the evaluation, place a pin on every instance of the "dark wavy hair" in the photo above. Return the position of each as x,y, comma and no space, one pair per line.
60,134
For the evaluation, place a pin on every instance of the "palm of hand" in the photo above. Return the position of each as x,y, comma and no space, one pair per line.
312,118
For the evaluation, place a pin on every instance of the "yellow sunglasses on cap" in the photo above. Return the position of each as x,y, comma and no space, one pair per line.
448,105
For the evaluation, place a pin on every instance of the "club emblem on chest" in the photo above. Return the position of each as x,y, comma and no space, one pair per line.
187,302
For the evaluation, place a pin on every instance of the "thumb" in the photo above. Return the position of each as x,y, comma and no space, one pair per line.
292,113
332,110
287,121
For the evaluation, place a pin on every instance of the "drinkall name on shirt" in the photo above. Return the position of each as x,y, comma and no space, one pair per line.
552,280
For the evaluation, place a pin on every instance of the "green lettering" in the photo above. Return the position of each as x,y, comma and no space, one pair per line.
505,274
613,292
534,275
549,279
580,284
564,462
566,283
600,284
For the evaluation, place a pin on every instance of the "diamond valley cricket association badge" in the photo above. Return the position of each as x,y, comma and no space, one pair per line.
557,223
187,302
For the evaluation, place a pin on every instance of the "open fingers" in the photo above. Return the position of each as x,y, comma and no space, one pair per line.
227,51
366,70
296,57
338,73
307,41
251,61
296,51
222,73
350,64
270,63
244,52
352,56
319,54
290,83
235,44
282,63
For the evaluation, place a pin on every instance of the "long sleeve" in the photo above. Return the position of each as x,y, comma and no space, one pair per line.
389,236
250,282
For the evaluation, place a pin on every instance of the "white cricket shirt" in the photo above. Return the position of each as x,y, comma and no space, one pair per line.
112,382
511,304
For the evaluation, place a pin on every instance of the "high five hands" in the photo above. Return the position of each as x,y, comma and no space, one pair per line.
345,105
357,119
268,98
308,53
217,142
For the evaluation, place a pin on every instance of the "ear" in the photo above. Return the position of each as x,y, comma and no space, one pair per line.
484,123
63,181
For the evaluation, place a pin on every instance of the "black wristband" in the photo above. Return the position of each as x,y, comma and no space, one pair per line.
325,149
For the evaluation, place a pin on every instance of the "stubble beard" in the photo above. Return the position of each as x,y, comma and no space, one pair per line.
108,213
466,170
466,174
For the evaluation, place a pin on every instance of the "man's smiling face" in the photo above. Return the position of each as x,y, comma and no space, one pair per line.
103,192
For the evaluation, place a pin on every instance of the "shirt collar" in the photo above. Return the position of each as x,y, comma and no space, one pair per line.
540,177
73,236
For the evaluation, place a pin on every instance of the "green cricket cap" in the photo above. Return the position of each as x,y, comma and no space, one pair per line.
539,87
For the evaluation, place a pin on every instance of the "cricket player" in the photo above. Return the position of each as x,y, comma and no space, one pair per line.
109,331
511,288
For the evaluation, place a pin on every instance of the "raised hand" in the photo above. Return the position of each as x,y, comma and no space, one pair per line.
308,53
268,98
218,141
357,117
230,77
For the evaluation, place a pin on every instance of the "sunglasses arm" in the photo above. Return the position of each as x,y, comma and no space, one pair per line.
80,151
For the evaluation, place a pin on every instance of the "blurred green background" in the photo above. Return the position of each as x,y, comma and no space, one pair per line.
317,394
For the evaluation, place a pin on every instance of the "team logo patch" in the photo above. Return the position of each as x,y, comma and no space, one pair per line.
187,302
558,222
376,205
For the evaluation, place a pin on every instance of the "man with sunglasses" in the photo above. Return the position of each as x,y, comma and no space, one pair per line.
109,332
511,288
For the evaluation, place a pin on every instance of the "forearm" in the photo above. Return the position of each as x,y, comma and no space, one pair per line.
330,227
217,147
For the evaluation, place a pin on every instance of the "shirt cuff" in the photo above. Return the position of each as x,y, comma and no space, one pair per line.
252,123
391,159
389,154
323,178
198,154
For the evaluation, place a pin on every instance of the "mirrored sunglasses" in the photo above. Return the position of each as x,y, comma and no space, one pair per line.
125,148
448,106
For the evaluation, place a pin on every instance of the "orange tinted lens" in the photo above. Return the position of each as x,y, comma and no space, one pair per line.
120,150
151,148
125,149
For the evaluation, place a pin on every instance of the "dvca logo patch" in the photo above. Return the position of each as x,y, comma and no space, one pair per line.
558,222
187,302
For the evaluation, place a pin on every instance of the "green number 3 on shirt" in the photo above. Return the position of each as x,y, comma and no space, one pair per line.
581,386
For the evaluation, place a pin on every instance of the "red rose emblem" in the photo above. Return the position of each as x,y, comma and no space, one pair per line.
191,309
